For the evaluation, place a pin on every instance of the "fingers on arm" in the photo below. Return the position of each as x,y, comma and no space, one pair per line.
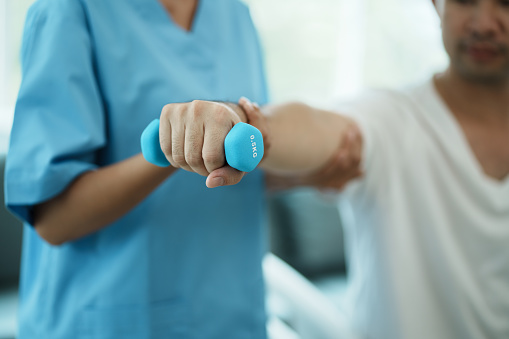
257,119
357,144
343,166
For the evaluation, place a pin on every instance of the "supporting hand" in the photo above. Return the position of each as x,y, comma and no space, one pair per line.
343,167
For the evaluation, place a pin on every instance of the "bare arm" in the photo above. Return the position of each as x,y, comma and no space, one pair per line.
343,167
96,199
303,139
298,139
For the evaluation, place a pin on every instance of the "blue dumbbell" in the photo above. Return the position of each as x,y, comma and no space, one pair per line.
243,146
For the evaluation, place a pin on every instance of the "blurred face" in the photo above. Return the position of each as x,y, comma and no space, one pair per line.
476,37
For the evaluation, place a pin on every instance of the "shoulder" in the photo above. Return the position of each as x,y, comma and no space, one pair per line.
387,119
232,9
235,5
56,9
376,102
234,17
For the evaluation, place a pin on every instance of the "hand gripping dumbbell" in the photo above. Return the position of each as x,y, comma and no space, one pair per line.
243,146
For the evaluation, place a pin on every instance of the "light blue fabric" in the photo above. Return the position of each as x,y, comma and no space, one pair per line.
186,262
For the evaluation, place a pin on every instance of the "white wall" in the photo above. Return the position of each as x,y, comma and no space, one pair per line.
316,50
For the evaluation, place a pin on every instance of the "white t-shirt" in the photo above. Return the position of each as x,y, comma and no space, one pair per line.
429,245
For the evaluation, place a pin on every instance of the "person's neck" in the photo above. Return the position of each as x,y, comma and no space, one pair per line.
486,103
181,11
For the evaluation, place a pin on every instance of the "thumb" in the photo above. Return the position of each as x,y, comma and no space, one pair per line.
224,176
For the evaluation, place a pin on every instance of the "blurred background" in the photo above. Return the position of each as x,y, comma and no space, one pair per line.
316,51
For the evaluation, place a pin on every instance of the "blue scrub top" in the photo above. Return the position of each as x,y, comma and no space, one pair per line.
186,262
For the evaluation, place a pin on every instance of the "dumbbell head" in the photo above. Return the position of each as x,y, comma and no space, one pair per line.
243,147
150,146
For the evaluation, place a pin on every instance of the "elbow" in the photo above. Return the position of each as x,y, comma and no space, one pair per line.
50,226
49,235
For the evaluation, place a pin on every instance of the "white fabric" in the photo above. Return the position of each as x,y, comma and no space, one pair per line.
428,244
293,300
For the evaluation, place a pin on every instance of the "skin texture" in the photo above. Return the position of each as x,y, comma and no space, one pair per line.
475,37
96,199
475,86
186,142
181,11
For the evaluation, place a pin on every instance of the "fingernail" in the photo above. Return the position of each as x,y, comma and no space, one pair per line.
217,181
256,105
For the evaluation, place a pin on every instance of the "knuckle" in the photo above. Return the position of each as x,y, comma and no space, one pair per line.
179,159
180,113
166,110
213,160
196,109
221,115
197,103
193,159
166,148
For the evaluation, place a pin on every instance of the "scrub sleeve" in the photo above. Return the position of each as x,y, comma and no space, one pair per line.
59,120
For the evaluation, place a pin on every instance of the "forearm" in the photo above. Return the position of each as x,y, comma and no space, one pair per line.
97,198
303,138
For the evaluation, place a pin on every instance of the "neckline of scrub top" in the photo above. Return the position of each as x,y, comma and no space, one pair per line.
161,13
156,12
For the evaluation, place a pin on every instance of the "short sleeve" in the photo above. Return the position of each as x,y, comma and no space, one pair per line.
59,122
384,120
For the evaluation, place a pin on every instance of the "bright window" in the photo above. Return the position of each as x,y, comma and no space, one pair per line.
320,50
316,50
12,17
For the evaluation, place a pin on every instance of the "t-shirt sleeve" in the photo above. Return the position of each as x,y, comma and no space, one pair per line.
59,121
385,124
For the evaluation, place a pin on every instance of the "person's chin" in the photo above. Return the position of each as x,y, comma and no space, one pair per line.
484,69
